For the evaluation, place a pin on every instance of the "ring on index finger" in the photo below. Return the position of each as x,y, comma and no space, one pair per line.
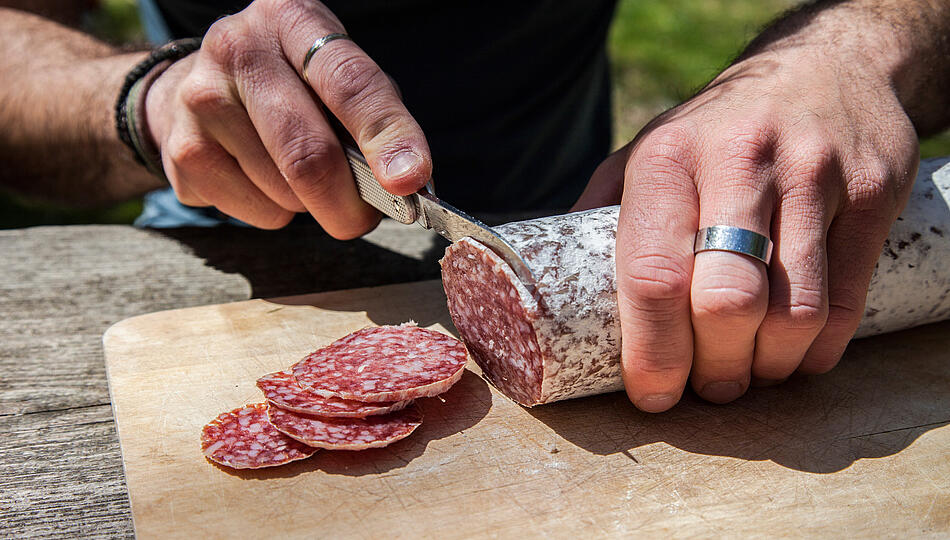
320,42
735,240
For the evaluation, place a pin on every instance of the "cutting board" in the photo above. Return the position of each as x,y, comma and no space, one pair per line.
863,449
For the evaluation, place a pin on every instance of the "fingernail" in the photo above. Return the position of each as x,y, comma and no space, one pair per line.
655,403
760,383
402,163
721,391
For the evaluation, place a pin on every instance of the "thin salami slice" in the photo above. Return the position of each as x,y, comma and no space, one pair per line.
283,391
244,439
346,433
385,363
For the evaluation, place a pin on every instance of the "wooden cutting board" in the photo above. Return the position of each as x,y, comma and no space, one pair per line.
864,450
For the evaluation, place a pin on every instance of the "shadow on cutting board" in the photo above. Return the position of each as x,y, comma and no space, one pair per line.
463,406
886,392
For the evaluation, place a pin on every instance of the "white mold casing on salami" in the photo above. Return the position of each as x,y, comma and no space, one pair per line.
911,284
564,341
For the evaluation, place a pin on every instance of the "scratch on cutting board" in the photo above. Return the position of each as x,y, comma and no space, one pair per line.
274,310
931,424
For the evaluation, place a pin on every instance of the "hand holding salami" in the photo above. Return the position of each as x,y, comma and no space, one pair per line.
790,144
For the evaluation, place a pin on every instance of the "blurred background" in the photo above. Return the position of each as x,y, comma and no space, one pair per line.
662,52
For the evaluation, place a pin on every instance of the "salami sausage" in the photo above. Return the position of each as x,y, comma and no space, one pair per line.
563,340
346,433
244,439
282,390
385,363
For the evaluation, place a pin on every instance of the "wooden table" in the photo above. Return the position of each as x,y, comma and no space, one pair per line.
62,287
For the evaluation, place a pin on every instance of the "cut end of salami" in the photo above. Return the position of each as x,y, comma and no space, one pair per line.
245,439
495,315
386,363
282,390
563,339
346,433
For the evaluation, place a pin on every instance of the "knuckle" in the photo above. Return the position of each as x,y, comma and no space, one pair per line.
750,147
292,17
656,280
663,368
352,82
667,147
384,126
810,160
308,165
873,185
193,152
845,314
805,315
736,304
226,36
232,43
204,98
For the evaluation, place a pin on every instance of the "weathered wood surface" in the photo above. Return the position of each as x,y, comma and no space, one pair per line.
61,287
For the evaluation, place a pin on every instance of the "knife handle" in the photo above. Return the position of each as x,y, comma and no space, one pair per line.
402,209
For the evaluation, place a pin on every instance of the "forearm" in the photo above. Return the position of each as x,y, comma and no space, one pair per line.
57,130
902,43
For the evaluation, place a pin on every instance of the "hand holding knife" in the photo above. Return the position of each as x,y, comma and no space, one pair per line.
424,208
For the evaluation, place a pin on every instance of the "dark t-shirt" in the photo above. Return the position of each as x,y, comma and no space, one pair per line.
513,96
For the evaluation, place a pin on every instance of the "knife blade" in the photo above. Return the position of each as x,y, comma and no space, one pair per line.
427,210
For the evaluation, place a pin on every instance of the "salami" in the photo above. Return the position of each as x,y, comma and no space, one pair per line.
282,390
244,439
563,340
346,433
386,363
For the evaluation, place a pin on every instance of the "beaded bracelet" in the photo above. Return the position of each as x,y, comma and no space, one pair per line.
130,105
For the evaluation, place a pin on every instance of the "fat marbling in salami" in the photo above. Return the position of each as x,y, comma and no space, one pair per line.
385,363
282,390
244,439
346,433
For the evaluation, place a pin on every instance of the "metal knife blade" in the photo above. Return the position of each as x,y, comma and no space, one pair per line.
424,208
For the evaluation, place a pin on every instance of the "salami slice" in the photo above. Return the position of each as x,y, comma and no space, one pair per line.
283,391
244,439
563,341
386,363
346,433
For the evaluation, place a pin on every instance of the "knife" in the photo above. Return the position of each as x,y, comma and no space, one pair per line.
424,208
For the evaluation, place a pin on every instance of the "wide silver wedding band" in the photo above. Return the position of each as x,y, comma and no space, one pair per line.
320,42
735,240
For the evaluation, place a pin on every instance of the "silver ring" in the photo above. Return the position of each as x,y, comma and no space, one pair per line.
320,42
735,240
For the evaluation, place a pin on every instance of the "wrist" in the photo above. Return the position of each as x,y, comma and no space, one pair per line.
893,47
130,110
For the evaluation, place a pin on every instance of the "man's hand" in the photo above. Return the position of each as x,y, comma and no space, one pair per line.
239,129
803,141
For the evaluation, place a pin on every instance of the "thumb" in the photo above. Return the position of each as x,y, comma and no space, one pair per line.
606,184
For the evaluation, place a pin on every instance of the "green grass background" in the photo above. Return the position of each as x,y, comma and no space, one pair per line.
662,52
